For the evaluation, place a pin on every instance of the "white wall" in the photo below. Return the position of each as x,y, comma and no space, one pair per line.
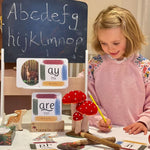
140,9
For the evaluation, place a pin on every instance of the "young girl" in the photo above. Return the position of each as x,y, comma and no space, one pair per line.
119,78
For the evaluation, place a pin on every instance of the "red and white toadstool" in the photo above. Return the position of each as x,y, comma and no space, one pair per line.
77,116
79,109
86,108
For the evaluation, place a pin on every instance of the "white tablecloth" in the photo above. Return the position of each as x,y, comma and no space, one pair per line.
24,138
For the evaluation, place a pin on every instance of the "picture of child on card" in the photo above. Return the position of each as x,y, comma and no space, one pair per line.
41,73
46,106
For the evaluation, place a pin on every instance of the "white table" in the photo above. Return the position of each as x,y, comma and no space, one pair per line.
24,138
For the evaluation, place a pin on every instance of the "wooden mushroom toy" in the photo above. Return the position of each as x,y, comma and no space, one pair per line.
73,98
80,108
77,117
86,108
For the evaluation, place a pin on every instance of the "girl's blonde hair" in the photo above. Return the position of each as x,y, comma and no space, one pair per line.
113,17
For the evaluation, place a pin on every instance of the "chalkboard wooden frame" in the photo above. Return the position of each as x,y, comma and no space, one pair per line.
44,29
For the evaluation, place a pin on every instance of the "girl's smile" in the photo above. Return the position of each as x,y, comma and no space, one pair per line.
113,54
113,42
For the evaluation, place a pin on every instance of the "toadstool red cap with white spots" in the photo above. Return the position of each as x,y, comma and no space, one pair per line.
87,108
66,99
74,97
77,116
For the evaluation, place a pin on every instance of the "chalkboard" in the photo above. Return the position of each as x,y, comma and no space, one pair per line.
44,29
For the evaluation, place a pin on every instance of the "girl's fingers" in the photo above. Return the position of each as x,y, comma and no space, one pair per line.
135,128
104,129
105,126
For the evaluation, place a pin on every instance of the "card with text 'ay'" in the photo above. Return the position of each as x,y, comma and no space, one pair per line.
40,73
46,106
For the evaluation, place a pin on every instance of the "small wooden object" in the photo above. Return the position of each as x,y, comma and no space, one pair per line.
51,126
89,142
81,143
100,140
16,120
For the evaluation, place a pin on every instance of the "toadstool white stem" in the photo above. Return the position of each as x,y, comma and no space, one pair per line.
85,125
73,110
78,126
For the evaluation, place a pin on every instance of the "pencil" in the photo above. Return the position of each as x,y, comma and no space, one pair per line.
98,108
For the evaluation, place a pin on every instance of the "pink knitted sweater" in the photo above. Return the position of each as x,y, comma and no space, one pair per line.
121,89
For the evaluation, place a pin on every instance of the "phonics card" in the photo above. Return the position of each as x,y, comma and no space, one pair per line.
39,73
46,106
132,145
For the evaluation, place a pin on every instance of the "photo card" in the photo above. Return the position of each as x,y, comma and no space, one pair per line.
41,73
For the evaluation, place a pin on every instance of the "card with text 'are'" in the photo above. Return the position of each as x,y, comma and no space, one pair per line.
46,106
40,73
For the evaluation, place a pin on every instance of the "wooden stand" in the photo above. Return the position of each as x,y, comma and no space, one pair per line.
52,126
9,89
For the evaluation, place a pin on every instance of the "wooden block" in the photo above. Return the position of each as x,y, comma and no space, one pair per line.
45,118
51,126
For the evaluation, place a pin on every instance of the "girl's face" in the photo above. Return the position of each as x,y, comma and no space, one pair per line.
113,42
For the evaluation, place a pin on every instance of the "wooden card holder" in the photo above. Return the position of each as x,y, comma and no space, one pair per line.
51,126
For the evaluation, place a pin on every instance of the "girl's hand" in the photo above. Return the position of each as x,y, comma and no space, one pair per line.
136,128
105,126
